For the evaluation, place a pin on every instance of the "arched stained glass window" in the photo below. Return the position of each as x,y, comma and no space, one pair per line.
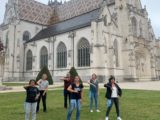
43,57
61,56
83,53
134,26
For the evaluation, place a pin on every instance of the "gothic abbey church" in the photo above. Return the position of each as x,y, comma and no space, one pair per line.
106,37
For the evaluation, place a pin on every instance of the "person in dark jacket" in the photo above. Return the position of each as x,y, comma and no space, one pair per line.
32,95
112,94
67,82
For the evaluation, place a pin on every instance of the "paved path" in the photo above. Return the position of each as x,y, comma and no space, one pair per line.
154,85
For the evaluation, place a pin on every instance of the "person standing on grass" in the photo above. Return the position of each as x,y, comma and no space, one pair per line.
43,87
112,94
31,100
67,82
76,90
94,92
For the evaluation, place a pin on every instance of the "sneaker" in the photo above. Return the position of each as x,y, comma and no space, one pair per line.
91,111
98,110
119,118
107,118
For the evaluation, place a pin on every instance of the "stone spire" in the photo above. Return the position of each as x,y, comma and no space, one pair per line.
54,3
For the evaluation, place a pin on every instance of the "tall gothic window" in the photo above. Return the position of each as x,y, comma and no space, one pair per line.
116,53
26,36
43,57
83,53
61,56
140,29
134,26
7,39
29,60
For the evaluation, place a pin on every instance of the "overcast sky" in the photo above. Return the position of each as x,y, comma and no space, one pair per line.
153,7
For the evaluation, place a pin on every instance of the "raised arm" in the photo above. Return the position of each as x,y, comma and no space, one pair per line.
38,82
65,79
26,86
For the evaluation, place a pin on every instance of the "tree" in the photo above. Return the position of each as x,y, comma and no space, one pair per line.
73,73
45,70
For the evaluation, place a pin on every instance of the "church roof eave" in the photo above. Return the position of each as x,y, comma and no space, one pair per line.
68,25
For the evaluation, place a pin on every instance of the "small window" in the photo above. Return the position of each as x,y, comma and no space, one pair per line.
26,36
29,60
116,53
134,26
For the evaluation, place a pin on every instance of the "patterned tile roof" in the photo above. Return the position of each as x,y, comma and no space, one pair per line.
74,8
33,11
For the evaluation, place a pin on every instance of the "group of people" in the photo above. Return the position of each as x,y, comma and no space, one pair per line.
73,91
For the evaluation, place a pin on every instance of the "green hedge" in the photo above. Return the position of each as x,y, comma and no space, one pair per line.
45,70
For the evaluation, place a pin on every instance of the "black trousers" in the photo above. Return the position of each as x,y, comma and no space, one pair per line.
66,98
43,97
110,104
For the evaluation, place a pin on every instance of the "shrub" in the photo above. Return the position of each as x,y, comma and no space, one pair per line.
73,73
45,70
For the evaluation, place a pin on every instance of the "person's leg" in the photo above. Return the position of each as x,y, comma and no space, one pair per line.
116,102
44,102
78,109
96,100
38,102
65,98
109,106
69,97
71,108
91,100
27,110
33,109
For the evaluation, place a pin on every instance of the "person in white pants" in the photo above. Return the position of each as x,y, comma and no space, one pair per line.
30,108
32,93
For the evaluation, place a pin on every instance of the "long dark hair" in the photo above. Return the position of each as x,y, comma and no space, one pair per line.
111,78
32,80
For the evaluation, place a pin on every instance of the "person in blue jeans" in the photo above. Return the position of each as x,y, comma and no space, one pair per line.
76,90
94,92
33,94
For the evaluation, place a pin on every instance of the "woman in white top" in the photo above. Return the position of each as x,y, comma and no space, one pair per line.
113,93
43,87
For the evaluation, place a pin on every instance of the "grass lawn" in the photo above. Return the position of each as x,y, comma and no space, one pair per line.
135,105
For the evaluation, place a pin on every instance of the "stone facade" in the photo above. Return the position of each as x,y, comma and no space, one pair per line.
109,37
